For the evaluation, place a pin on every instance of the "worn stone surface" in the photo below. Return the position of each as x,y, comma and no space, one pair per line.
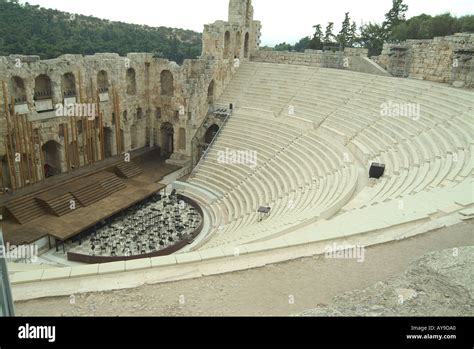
353,59
438,284
443,59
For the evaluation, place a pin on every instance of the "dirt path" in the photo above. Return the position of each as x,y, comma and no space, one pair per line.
281,289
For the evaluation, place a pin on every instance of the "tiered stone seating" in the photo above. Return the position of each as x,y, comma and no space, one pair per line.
302,173
298,173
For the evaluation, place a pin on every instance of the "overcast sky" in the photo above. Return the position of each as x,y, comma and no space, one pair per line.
282,20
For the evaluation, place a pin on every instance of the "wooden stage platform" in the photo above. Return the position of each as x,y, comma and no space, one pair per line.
97,196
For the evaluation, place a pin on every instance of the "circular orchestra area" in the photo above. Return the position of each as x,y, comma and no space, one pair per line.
159,226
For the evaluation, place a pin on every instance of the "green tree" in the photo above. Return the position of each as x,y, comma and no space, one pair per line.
344,37
466,24
316,42
283,47
353,37
328,35
303,44
395,16
32,30
372,38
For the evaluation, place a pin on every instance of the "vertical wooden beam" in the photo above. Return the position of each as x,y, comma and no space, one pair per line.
102,136
100,130
11,168
90,143
76,148
73,151
33,151
118,136
43,161
84,143
18,150
66,146
10,144
27,148
96,141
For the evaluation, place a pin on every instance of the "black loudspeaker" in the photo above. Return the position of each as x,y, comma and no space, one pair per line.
231,106
376,170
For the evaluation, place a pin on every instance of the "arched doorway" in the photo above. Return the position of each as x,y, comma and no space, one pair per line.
167,83
167,140
52,158
238,44
103,81
68,85
246,45
227,45
131,82
18,91
43,87
211,133
210,93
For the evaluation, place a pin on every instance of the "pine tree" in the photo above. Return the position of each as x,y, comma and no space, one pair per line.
316,42
395,16
353,34
344,36
329,36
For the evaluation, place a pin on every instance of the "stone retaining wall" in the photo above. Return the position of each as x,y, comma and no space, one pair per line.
447,59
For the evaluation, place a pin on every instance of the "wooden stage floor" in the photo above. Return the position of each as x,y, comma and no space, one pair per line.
63,228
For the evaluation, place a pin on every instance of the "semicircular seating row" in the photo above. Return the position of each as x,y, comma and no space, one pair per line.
432,146
297,172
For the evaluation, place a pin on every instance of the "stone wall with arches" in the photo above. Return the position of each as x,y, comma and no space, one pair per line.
131,97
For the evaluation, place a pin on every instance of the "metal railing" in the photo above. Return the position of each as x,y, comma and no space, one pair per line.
214,139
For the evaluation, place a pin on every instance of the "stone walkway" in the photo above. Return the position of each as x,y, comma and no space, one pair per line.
282,289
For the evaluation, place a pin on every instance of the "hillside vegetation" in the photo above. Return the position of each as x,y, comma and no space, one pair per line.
33,30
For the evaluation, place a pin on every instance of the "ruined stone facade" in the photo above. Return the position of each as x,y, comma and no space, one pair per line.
144,101
238,38
156,102
447,59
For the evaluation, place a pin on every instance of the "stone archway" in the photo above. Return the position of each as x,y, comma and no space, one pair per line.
102,81
210,92
43,87
167,140
18,90
68,85
131,82
167,83
246,45
238,44
227,45
52,158
211,133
